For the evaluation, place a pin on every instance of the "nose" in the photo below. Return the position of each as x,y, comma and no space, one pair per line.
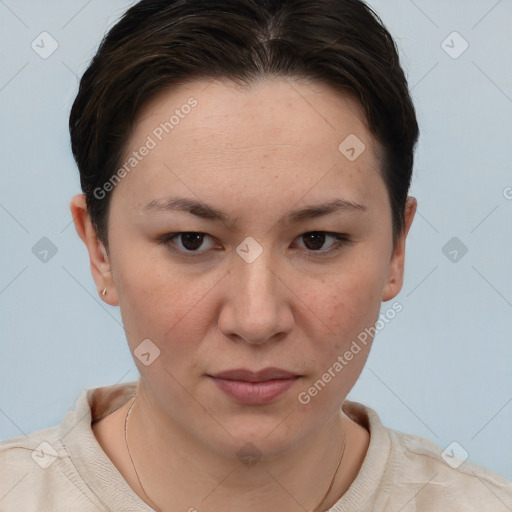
257,305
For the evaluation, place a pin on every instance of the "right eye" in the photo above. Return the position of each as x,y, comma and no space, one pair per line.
188,242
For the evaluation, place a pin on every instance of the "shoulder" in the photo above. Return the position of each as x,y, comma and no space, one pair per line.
38,473
63,467
445,476
29,467
38,449
410,473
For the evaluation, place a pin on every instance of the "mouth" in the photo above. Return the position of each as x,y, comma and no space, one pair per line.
255,388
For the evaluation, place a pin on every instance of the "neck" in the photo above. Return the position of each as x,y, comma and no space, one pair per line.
309,477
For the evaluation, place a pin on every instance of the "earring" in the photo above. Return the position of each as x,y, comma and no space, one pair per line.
104,292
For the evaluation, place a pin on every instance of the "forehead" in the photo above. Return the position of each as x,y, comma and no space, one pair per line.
217,136
298,111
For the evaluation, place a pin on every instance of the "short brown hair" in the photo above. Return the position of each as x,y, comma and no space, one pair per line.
160,43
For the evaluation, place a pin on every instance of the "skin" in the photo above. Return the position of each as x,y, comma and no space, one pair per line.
255,153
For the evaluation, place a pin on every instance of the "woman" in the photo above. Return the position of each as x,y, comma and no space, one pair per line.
245,168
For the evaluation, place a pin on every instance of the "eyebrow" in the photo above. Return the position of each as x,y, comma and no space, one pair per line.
208,212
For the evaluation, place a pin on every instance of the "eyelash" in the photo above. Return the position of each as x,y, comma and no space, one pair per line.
340,241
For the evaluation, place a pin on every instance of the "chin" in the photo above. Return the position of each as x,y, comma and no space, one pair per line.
255,446
262,436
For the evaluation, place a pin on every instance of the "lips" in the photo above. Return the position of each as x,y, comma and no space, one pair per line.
254,388
250,376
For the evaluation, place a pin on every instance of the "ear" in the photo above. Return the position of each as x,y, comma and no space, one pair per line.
98,256
396,267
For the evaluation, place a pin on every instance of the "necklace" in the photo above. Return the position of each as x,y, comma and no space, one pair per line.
157,509
335,472
130,455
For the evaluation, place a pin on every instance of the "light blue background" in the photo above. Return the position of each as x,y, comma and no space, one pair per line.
440,369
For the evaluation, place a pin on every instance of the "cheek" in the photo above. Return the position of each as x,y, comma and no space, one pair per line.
353,301
341,346
159,302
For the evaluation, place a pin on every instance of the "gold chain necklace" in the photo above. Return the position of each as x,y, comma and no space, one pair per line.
157,509
130,455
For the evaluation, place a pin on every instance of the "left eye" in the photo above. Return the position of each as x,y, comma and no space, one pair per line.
314,240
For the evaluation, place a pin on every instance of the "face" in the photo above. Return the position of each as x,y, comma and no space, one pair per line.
283,263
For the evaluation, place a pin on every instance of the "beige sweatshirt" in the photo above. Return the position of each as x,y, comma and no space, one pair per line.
63,468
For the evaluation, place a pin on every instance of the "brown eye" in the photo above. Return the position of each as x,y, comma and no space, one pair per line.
191,241
186,242
315,240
